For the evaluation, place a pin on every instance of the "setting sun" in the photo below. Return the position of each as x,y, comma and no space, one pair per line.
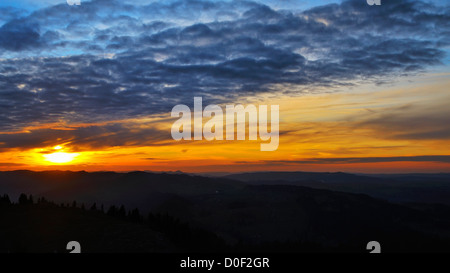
60,157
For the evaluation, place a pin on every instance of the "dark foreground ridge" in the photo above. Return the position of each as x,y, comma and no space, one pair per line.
44,226
179,213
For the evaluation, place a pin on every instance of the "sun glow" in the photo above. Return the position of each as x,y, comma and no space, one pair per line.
60,157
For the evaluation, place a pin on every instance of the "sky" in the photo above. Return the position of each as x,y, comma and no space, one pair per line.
360,88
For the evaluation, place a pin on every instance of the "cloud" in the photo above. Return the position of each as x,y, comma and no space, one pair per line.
350,160
94,137
8,164
415,121
110,60
18,35
10,13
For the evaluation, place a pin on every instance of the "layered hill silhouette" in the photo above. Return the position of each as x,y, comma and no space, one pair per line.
401,188
44,226
260,214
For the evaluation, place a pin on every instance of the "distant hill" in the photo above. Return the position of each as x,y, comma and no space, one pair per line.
324,177
400,188
135,189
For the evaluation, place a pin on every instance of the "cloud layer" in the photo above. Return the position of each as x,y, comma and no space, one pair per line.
112,60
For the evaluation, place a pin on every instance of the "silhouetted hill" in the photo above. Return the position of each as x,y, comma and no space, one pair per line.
48,228
401,188
279,216
298,176
135,189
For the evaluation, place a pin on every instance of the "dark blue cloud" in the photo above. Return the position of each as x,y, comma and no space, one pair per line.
18,35
109,60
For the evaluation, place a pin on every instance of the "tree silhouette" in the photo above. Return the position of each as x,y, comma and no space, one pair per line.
23,199
135,216
30,200
122,212
112,211
5,201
